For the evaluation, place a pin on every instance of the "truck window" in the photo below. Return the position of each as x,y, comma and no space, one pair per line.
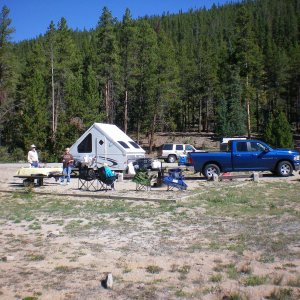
179,147
241,147
86,145
256,147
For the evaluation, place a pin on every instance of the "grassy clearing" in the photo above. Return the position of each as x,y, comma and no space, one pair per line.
230,218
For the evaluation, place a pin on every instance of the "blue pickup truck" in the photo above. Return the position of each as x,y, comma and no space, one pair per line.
245,155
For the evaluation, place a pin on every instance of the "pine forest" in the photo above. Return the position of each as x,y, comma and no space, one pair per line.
233,70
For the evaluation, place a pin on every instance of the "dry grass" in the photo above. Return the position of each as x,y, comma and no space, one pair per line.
232,241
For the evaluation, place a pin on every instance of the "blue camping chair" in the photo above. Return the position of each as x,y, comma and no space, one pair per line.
105,180
175,180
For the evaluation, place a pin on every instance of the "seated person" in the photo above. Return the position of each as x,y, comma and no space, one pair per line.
108,171
106,175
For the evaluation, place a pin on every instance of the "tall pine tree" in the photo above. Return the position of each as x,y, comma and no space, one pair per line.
108,61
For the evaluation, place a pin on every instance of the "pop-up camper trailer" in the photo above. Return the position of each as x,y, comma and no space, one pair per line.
106,143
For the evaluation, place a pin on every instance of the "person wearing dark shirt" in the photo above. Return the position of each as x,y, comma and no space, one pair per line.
67,160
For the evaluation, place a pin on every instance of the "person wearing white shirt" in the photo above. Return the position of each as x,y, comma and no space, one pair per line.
33,158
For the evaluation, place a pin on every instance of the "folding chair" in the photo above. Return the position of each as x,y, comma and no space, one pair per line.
106,181
143,180
87,179
175,180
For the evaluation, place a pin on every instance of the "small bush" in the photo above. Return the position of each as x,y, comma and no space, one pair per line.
281,294
4,154
216,278
17,155
35,257
153,269
255,280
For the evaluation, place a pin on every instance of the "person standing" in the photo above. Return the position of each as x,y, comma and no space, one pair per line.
33,157
67,160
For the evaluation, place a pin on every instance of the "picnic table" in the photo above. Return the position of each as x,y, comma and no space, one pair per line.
29,175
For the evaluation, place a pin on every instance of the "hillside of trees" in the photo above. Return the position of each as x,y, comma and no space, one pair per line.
233,70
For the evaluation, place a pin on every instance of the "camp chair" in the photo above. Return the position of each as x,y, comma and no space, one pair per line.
106,181
87,179
175,180
144,179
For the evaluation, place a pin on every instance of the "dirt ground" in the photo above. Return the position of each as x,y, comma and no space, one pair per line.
62,247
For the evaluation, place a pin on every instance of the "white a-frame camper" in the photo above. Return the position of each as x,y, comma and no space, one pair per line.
106,143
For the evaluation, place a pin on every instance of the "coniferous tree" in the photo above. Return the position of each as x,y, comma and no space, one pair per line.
222,118
33,112
51,54
127,49
276,78
236,112
108,61
279,133
294,85
166,93
7,70
68,87
91,109
231,60
268,134
232,115
248,57
145,77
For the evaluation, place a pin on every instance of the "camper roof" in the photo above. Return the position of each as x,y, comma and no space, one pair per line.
118,136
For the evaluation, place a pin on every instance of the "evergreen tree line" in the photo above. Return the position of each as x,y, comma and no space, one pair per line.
233,70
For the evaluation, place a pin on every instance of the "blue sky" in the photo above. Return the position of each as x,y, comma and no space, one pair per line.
30,18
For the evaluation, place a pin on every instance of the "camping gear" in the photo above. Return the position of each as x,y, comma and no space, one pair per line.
144,179
90,179
182,160
175,180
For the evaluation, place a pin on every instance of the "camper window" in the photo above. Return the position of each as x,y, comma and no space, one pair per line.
135,145
86,145
123,144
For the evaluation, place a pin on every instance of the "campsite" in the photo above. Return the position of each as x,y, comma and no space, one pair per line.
149,150
219,240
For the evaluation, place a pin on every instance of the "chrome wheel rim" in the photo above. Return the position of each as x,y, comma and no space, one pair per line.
285,169
211,171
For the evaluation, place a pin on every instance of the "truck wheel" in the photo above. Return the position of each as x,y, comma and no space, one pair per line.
210,170
284,169
171,158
